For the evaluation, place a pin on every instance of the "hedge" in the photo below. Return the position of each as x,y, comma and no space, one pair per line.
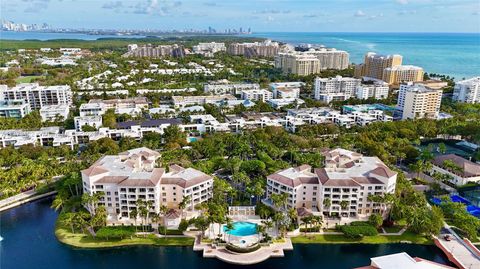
237,249
360,223
115,232
310,230
352,231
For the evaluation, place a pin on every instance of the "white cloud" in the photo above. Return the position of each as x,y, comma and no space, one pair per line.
360,13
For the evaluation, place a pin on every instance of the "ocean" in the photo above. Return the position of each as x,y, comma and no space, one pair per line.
453,54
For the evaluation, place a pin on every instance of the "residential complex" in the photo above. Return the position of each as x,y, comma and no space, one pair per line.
376,89
225,87
460,170
335,89
375,64
182,101
54,112
151,51
402,260
402,73
283,90
38,96
417,101
14,109
257,95
209,49
256,49
467,91
133,175
311,61
341,188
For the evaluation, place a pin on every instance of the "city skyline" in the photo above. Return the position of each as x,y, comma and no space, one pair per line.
261,16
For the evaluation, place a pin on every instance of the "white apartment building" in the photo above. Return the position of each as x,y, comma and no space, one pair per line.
92,121
133,175
14,109
54,112
229,88
134,102
418,101
345,183
257,95
335,89
467,91
279,103
209,49
377,90
38,96
92,109
183,101
283,90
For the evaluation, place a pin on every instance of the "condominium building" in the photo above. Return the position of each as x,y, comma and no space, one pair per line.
38,96
312,61
279,103
283,90
224,87
209,49
133,175
155,52
16,109
374,65
92,121
257,95
266,48
417,101
403,260
402,73
374,89
335,89
467,91
98,105
341,188
298,64
54,112
182,101
92,109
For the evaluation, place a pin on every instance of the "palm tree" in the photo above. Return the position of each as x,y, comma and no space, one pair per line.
184,203
69,220
163,212
307,220
155,218
327,203
416,167
344,204
317,220
229,226
133,215
261,230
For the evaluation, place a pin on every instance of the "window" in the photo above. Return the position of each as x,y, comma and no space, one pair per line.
164,199
108,193
315,188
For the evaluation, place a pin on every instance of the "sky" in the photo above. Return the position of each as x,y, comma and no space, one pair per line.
260,15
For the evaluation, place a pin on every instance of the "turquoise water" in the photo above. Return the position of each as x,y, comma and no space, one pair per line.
454,54
242,229
191,139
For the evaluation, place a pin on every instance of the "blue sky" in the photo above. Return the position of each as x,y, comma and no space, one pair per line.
260,15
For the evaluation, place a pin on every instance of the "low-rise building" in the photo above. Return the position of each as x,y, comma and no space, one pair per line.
402,260
340,189
376,89
257,95
133,175
183,101
283,90
92,109
225,87
92,121
16,109
54,112
279,103
460,170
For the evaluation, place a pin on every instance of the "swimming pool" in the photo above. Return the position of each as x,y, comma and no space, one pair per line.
241,228
473,210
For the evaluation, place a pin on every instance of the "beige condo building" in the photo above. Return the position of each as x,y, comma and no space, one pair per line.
375,64
417,101
402,73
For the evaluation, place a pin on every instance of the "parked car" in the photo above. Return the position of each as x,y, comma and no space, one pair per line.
447,237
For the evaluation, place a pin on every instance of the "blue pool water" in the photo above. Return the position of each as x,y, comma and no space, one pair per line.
242,229
191,139
473,210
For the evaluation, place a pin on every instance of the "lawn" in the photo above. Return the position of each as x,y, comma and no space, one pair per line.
27,79
393,229
377,239
81,240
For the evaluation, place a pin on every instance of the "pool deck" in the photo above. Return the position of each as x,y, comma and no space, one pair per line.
275,250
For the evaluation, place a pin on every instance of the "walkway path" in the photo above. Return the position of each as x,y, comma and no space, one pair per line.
458,251
22,198
265,252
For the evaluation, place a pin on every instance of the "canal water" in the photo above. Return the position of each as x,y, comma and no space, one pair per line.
29,242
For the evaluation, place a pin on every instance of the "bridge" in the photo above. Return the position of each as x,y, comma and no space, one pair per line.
459,251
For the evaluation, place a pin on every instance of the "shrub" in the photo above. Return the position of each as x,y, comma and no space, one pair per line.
359,223
310,230
375,220
115,232
358,231
183,225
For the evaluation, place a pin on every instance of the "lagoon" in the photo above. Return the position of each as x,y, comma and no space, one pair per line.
29,242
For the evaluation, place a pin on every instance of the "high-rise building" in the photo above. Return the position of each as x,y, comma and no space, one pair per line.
155,52
335,89
417,101
377,89
375,64
467,91
312,61
257,95
209,49
402,73
283,90
266,48
38,96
